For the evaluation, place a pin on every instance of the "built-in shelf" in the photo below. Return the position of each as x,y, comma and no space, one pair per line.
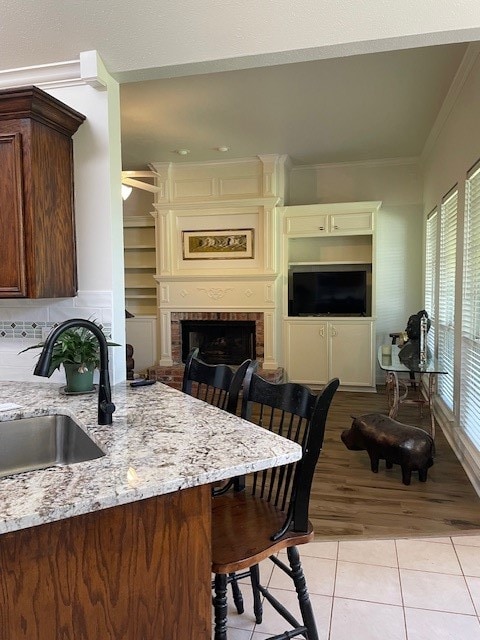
140,246
323,264
140,265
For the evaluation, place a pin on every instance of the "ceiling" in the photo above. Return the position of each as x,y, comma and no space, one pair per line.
355,108
308,79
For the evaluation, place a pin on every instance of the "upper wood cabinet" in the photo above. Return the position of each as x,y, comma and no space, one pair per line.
37,245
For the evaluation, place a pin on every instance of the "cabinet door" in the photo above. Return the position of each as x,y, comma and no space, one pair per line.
306,351
141,333
311,225
13,277
350,352
351,222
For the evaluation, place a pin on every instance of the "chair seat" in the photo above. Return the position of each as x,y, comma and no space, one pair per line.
242,526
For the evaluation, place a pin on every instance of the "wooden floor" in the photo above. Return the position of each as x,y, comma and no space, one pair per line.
348,501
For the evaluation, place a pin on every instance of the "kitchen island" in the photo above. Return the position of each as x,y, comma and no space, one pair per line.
119,547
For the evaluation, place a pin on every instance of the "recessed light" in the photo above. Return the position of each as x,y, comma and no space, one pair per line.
223,149
183,152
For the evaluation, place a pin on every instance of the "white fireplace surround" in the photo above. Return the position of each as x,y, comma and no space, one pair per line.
204,197
220,297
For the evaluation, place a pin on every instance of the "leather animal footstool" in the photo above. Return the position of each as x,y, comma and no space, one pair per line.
396,443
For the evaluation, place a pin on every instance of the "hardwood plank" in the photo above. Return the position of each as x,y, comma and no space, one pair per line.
349,501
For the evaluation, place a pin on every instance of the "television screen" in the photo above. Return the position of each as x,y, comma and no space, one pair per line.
329,293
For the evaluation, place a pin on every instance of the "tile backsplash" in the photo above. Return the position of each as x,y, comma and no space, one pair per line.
35,330
24,323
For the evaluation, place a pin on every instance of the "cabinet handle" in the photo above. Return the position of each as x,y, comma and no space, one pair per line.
334,332
321,331
335,226
321,228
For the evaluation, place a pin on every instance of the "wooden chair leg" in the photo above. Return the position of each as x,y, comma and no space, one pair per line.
220,606
237,594
257,601
302,593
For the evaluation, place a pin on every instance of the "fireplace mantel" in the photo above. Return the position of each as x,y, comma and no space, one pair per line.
203,297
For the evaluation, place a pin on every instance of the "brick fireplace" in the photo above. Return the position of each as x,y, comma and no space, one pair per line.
172,375
224,317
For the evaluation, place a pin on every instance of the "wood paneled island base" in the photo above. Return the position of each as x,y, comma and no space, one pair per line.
139,571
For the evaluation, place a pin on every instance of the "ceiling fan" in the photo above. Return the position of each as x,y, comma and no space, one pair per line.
130,179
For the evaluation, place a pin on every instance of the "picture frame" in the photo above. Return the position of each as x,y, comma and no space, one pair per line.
218,244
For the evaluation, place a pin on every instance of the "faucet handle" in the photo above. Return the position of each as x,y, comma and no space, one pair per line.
107,407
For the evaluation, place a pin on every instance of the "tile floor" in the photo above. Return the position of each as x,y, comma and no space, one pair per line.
409,589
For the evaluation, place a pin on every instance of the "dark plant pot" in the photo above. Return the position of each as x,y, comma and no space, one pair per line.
79,381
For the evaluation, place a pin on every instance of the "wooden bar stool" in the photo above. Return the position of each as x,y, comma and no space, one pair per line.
272,512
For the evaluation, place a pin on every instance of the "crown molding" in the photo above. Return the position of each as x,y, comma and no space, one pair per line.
360,163
88,69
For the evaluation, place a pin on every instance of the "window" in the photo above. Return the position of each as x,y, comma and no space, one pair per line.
470,347
446,296
431,266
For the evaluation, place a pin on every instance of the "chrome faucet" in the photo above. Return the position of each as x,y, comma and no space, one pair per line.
105,404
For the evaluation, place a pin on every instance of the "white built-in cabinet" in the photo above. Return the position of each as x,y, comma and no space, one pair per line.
338,236
141,289
320,350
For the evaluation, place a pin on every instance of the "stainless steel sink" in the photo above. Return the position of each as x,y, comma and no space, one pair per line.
27,444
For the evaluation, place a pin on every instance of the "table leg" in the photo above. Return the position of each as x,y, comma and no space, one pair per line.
432,379
393,393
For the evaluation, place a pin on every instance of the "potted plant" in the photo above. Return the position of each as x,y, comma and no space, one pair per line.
78,350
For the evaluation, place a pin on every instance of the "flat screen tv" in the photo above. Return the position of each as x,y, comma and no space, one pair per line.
329,293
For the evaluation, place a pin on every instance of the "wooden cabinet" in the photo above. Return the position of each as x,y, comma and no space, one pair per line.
134,571
37,248
319,350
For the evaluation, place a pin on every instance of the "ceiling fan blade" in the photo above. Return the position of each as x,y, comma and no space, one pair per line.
138,184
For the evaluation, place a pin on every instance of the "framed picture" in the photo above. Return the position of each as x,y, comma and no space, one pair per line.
212,244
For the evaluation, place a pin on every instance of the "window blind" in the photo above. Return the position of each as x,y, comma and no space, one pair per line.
446,295
470,347
431,266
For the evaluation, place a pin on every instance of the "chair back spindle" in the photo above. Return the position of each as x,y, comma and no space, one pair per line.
216,384
291,410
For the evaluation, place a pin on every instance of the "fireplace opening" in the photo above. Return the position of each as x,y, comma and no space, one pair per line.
219,341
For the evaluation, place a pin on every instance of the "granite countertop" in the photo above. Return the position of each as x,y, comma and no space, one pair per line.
161,440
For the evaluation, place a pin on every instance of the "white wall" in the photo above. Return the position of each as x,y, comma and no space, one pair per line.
457,146
399,250
452,154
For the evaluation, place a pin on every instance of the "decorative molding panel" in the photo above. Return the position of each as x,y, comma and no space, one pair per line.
217,295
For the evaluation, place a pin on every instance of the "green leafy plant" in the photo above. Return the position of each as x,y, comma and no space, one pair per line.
76,346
